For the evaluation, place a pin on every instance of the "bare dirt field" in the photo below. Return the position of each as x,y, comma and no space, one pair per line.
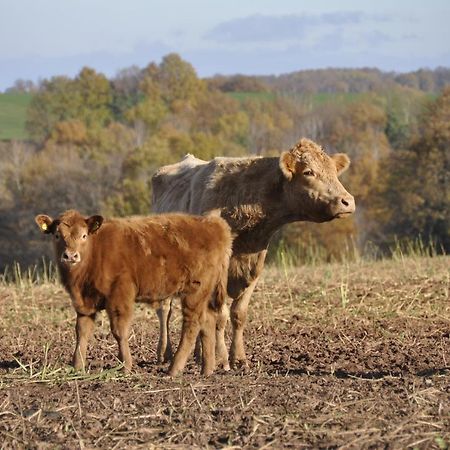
341,356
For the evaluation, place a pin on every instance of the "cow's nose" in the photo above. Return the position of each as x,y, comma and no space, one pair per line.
349,202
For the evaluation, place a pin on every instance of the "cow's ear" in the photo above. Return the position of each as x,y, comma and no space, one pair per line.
342,162
94,223
288,164
45,223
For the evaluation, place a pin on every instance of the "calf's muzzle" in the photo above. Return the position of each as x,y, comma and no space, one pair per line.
70,257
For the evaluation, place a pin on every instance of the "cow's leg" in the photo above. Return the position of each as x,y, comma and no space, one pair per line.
208,338
84,329
221,349
164,352
238,318
189,332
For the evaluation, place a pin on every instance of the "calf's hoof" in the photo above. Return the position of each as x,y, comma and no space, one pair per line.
207,372
172,373
78,366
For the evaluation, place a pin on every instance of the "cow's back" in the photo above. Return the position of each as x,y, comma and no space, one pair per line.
172,186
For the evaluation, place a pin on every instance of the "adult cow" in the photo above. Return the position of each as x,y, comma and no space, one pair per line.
256,196
110,264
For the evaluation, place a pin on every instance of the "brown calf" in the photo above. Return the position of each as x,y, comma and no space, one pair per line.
110,264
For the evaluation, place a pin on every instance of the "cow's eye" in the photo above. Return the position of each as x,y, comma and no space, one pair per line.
308,173
56,236
84,237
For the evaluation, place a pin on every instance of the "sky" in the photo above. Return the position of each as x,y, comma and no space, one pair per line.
43,38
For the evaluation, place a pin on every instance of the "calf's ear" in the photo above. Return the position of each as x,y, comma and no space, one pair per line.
94,223
342,162
288,164
45,223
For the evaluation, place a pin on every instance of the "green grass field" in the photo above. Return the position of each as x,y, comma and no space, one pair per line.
13,109
261,96
313,100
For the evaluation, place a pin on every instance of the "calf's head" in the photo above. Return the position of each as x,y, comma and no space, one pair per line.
312,189
71,235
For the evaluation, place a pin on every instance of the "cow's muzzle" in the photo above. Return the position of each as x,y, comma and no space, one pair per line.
345,206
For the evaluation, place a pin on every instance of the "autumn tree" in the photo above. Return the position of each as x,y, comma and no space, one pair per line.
56,101
417,197
178,80
93,92
87,99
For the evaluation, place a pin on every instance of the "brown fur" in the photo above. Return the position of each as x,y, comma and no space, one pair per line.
256,196
147,259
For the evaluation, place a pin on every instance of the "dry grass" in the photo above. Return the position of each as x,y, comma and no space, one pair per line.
344,355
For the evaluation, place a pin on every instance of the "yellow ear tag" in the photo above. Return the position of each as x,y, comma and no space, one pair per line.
44,226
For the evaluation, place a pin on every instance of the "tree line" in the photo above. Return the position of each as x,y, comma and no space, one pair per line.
95,143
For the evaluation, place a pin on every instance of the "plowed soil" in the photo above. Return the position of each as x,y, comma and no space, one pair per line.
340,356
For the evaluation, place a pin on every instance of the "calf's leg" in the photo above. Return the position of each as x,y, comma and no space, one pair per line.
192,312
198,351
164,351
221,351
119,307
84,328
120,328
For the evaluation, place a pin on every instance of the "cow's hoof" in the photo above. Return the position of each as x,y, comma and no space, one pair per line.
223,365
240,364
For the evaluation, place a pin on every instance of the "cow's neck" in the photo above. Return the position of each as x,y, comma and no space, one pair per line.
256,211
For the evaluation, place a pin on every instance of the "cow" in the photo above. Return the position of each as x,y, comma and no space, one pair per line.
111,264
256,196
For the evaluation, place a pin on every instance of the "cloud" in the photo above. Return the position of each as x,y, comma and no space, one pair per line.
330,42
293,58
262,28
375,38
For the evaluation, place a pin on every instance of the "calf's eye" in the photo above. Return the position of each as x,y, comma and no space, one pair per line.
308,173
84,237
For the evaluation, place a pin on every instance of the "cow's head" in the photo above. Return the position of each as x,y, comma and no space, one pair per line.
312,189
71,233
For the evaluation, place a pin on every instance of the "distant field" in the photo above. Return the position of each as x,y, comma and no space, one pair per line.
13,108
242,96
311,99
